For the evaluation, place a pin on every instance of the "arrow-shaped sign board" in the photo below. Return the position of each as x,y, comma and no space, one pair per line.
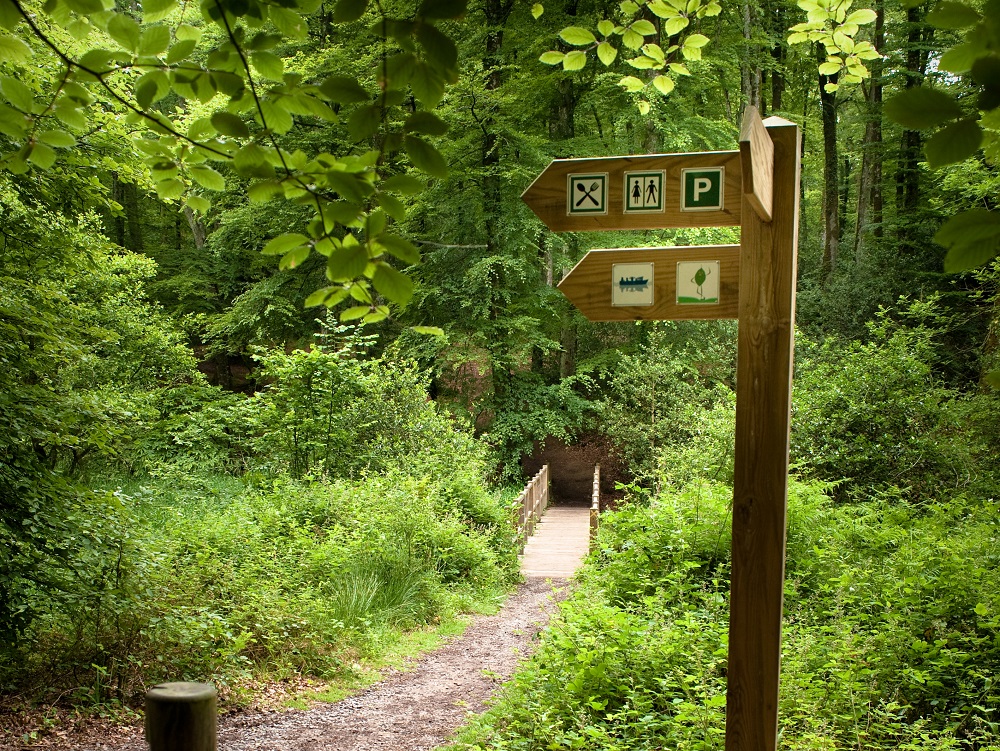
653,191
656,284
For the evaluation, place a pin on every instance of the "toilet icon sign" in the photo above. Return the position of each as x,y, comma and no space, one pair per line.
703,188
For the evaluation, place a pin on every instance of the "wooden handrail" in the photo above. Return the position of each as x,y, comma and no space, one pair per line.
531,504
595,504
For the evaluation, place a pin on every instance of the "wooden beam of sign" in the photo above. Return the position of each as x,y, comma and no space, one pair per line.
603,275
653,191
757,158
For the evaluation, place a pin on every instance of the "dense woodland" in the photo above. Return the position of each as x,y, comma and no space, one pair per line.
228,465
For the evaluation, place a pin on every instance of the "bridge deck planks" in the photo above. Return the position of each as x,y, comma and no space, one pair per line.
559,545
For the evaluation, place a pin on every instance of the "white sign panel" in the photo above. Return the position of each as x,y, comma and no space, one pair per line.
632,284
698,282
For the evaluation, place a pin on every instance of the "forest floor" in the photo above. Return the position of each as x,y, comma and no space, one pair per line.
413,709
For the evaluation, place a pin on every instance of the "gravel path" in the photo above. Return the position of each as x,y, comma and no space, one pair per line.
411,711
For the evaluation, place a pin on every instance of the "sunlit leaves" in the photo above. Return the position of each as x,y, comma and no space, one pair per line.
829,24
574,60
606,53
537,10
13,50
577,35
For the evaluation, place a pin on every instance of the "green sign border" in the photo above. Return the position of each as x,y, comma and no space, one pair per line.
575,211
722,188
627,176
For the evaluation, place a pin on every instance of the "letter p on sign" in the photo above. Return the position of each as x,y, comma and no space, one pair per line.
702,189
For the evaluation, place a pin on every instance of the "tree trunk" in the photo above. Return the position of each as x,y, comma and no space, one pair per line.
831,214
750,74
908,164
198,230
870,177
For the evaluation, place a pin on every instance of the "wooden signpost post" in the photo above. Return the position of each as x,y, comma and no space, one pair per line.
756,188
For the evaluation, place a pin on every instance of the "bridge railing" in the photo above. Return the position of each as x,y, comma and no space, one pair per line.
595,504
531,504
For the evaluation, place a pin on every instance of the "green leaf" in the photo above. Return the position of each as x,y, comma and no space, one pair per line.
427,84
288,22
577,35
575,60
606,53
642,62
363,122
346,263
981,609
829,69
293,258
151,87
70,114
13,50
268,64
644,27
442,8
664,84
157,10
644,107
960,58
347,11
85,7
170,189
42,156
951,15
861,17
352,314
180,51
407,185
696,41
953,143
428,330
154,40
425,157
922,107
972,239
58,138
264,190
17,93
632,40
198,203
125,31
552,57
675,25
229,124
393,206
207,177
277,118
392,284
320,296
427,123
185,32
403,249
631,84
10,16
284,243
344,90
537,10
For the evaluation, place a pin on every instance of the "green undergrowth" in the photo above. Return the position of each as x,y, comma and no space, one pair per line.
891,632
215,580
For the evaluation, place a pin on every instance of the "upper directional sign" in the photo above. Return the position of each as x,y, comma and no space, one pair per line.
639,192
656,284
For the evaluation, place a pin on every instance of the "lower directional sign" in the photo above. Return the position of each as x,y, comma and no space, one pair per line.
655,284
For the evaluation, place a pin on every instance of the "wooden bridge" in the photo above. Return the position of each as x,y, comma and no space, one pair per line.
555,539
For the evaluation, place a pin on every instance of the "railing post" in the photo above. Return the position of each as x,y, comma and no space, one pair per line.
181,717
595,504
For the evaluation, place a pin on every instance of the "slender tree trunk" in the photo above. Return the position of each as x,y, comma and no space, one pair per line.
908,164
870,176
197,228
750,74
117,220
132,218
831,214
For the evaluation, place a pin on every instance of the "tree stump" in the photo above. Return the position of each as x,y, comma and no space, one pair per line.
181,717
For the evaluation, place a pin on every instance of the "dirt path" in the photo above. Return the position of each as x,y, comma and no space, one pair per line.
411,711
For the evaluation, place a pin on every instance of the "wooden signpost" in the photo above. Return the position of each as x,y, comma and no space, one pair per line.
757,188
